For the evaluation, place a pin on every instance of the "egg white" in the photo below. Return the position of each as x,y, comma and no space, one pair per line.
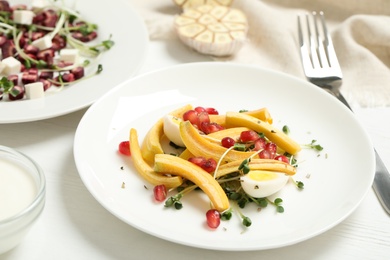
260,184
172,129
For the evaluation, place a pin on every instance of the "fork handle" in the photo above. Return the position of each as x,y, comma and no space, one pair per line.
381,183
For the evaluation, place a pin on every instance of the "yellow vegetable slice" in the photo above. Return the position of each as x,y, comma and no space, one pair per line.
152,142
165,163
277,136
257,164
216,138
212,29
262,114
198,145
145,170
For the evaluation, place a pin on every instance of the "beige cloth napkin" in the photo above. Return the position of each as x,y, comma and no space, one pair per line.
360,30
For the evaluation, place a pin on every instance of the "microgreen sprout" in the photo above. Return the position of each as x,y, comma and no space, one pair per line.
262,202
300,185
292,159
246,221
174,201
244,166
239,147
286,129
7,87
314,145
277,203
227,215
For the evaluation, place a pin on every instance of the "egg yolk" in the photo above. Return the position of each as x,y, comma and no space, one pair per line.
262,175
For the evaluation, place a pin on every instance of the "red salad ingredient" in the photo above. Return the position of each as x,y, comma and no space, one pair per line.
160,193
124,148
213,218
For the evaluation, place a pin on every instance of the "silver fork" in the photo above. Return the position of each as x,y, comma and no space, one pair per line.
322,68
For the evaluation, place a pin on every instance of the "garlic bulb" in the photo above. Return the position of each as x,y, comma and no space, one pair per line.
214,30
192,3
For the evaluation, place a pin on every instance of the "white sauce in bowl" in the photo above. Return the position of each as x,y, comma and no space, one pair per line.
17,188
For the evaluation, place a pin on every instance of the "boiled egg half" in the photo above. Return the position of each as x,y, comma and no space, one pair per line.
260,184
172,129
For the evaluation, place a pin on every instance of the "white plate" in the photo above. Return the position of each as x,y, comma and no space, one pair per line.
335,181
119,63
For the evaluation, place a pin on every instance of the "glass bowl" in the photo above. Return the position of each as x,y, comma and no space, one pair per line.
22,193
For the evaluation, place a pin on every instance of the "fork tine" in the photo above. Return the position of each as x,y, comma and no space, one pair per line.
318,55
306,59
321,49
329,48
314,41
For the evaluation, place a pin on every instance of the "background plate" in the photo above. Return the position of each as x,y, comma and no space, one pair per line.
119,63
336,179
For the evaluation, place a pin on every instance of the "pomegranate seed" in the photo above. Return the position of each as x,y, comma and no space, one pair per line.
213,218
203,117
197,160
259,144
210,165
227,142
271,148
248,136
200,109
212,111
282,158
124,148
192,116
211,128
264,154
160,192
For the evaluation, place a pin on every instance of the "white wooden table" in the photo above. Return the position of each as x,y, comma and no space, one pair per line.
75,226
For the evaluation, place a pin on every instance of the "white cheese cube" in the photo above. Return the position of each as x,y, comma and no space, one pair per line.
39,4
11,66
69,55
42,43
23,16
34,90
